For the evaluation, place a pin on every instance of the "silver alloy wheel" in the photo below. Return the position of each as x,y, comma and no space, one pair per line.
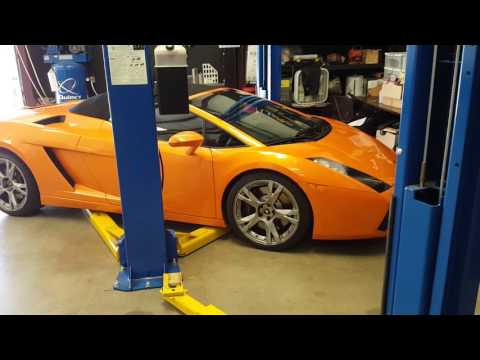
13,187
266,212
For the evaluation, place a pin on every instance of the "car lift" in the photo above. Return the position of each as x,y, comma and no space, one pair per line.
111,233
434,244
434,234
146,251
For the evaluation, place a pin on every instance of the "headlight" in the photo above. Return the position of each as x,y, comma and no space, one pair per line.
331,165
370,181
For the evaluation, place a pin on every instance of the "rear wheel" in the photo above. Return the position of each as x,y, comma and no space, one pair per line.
269,211
19,195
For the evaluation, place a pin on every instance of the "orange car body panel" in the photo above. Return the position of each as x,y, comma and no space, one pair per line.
194,186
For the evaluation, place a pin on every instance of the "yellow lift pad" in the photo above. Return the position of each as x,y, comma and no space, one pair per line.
176,295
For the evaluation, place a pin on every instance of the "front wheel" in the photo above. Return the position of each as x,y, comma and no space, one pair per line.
269,211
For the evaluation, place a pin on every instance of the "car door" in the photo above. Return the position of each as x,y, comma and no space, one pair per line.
188,184
99,157
189,180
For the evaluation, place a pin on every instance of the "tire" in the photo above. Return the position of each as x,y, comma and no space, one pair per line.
276,201
24,187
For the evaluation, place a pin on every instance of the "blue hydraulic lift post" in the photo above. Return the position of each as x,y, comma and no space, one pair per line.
434,245
260,69
412,136
275,71
457,270
269,71
143,250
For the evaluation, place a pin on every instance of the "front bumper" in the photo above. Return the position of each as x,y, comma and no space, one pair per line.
345,214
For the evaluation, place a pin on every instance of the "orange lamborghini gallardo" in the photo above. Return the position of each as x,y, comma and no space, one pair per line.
272,174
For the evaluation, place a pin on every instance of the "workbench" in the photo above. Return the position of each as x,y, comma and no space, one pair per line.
373,102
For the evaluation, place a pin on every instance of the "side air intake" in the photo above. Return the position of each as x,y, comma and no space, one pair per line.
59,166
51,120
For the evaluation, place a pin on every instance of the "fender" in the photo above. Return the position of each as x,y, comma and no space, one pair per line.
226,175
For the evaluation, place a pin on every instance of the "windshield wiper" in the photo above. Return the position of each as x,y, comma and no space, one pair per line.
312,133
292,139
214,113
312,129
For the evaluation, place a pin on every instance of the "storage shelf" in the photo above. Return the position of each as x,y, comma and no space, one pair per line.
354,67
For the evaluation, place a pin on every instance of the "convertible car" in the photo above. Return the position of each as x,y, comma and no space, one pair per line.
272,174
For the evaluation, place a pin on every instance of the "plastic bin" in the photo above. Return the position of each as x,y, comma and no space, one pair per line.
395,65
396,60
390,74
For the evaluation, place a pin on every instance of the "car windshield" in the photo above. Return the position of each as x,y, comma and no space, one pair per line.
262,119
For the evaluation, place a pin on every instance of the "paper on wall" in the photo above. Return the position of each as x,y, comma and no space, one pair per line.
127,64
251,68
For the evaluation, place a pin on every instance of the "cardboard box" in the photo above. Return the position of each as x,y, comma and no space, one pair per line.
385,100
374,87
371,56
374,91
373,83
392,91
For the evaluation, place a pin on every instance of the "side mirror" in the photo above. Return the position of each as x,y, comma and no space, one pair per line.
190,139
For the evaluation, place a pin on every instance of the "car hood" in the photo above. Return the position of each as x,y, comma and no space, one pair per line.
351,147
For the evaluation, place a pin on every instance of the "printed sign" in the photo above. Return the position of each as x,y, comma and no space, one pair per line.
127,64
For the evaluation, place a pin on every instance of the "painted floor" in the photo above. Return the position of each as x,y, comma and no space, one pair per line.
54,263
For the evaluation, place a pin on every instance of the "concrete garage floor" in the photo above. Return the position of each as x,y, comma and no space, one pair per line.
54,263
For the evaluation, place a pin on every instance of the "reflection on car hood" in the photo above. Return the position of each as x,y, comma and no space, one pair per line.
350,147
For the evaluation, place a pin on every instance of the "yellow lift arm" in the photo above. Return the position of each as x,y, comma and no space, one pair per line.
173,291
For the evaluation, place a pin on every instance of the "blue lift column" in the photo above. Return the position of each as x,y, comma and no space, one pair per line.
434,243
275,56
409,159
269,71
457,269
261,70
147,248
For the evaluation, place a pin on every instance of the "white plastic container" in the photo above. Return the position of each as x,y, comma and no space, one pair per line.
395,65
356,85
396,60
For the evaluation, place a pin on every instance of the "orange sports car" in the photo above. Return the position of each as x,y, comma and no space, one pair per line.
271,173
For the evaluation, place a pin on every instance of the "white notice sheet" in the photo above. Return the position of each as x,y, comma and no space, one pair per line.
127,64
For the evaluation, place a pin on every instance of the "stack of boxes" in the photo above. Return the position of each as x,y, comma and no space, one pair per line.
371,56
391,93
374,87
